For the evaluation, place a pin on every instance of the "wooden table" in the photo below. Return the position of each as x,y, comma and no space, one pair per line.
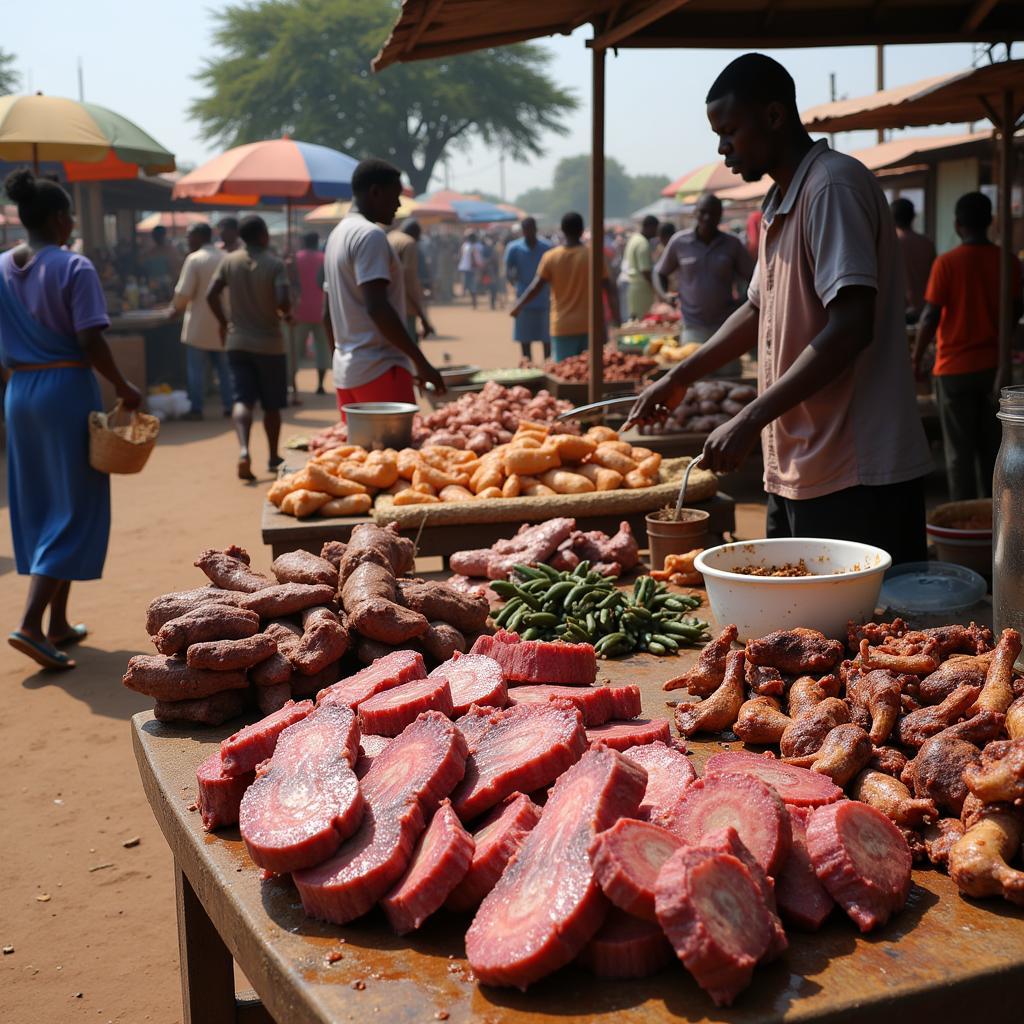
942,958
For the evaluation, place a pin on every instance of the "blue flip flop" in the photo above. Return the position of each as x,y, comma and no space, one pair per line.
74,636
45,654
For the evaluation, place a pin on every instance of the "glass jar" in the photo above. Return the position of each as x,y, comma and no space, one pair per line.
1008,515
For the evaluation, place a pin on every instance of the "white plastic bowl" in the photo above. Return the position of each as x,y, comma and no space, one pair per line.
846,585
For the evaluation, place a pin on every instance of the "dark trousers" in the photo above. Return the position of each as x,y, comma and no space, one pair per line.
970,432
890,517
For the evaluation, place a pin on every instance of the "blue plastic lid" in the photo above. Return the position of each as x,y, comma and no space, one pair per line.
927,587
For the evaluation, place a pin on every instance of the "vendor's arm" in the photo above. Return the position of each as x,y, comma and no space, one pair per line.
667,265
97,351
927,325
849,330
283,293
213,294
184,290
528,296
390,325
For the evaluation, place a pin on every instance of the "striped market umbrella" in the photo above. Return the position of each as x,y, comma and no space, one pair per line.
331,213
706,178
92,142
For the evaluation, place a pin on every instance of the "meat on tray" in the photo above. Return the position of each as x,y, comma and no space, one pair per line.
539,661
171,679
612,555
389,712
496,841
324,640
442,603
286,599
669,773
635,733
305,801
797,787
626,947
231,655
229,569
304,567
170,606
219,794
392,670
206,621
402,789
522,749
802,900
440,861
546,907
215,709
473,679
242,751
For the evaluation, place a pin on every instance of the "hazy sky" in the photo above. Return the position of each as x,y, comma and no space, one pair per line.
140,59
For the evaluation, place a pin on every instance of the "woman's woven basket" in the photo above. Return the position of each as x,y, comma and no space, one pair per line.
121,449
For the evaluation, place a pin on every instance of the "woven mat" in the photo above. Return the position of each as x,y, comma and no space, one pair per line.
703,485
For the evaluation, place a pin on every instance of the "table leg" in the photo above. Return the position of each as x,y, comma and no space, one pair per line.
207,972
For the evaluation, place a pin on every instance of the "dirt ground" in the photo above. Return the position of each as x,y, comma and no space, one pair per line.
88,905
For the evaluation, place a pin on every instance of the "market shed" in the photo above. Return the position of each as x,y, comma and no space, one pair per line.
429,29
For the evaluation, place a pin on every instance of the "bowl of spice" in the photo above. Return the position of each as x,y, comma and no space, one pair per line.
764,585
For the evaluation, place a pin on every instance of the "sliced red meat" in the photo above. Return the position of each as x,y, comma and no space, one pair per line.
798,787
392,670
473,724
439,863
669,772
539,661
744,802
625,701
626,947
713,911
388,713
219,794
497,840
403,787
803,901
306,800
627,858
622,735
244,750
547,905
594,702
473,679
524,748
862,859
369,748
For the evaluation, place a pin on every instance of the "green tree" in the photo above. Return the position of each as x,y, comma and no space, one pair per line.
645,189
302,67
9,78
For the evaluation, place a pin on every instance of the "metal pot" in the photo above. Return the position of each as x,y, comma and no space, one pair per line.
380,424
458,374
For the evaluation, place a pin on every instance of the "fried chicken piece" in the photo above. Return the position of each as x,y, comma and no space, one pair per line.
805,734
915,841
369,599
333,551
441,640
795,652
170,606
380,546
937,772
806,692
979,861
972,639
939,837
706,676
980,729
205,622
1015,719
915,658
892,798
858,713
845,750
719,711
324,640
765,681
229,570
442,603
304,567
231,655
874,632
909,703
888,760
913,729
997,691
938,685
879,693
761,721
286,599
999,776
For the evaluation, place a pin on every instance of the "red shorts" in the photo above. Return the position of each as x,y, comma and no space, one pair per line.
394,385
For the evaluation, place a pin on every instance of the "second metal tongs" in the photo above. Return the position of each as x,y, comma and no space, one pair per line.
583,411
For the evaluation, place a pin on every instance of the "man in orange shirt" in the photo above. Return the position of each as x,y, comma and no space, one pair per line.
962,314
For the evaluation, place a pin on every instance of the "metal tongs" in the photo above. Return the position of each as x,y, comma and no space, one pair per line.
582,412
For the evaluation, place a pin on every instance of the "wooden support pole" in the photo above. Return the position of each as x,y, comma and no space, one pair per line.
596,318
1006,325
880,82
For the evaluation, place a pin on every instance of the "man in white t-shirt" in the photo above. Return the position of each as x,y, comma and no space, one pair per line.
375,360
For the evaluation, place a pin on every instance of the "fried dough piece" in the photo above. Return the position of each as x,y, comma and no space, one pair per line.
806,734
275,671
719,711
938,685
206,622
231,655
706,676
806,692
760,720
999,775
980,729
442,603
878,692
229,570
845,750
913,729
997,693
287,599
379,545
979,861
324,640
937,772
892,798
169,606
304,567
795,652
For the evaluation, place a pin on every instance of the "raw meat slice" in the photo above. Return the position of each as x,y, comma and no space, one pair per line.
625,701
862,859
594,702
539,661
626,947
473,724
396,668
439,863
744,802
497,840
272,698
712,910
547,904
622,735
172,680
369,748
798,787
627,858
473,679
244,750
219,794
403,787
306,800
388,713
216,709
802,900
669,772
524,748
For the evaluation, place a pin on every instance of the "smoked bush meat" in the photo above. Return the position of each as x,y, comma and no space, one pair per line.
212,710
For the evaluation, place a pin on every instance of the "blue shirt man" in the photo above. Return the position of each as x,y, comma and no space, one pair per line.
522,257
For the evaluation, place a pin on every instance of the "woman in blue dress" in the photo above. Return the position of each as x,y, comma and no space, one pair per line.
52,318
